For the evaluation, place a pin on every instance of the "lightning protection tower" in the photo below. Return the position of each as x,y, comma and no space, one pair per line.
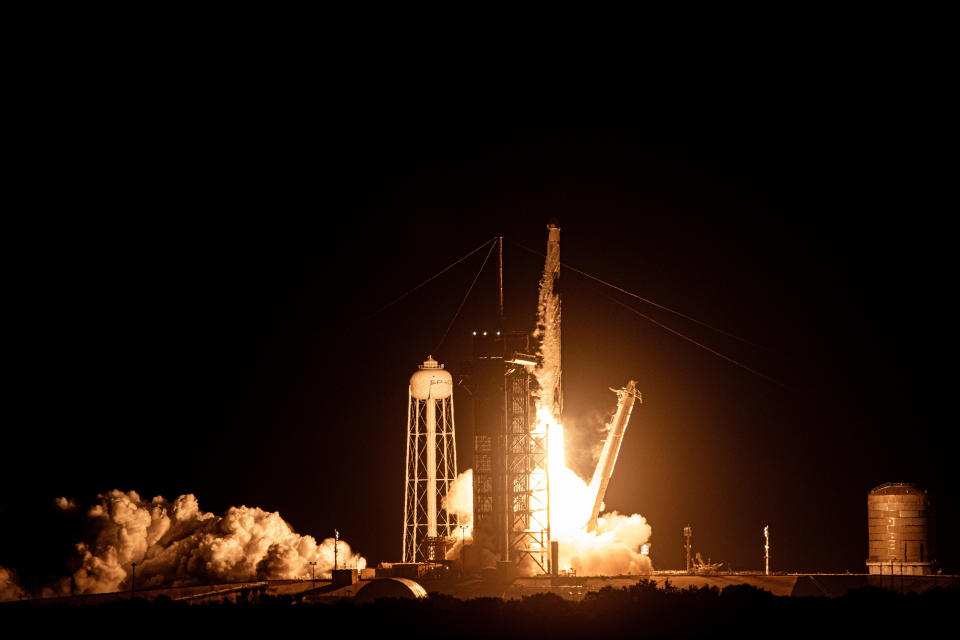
431,465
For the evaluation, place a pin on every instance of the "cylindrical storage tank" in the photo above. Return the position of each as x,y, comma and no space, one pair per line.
898,530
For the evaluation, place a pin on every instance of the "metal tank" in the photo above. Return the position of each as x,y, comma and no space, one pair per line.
898,530
431,380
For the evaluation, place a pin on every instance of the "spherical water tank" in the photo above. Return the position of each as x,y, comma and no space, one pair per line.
431,381
898,528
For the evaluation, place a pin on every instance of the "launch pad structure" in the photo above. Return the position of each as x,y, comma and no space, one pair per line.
510,500
511,481
513,382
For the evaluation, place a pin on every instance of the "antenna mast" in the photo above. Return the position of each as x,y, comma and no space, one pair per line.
500,279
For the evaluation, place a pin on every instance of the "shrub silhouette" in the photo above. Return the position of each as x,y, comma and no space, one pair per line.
638,611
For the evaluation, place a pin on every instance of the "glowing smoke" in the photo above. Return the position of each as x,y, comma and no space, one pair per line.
548,331
9,589
459,500
175,543
615,547
65,504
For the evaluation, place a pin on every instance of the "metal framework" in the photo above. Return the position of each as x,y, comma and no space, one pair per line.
511,515
427,526
527,479
483,483
486,388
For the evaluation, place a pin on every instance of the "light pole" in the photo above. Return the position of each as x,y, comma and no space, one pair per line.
336,538
313,571
133,580
766,550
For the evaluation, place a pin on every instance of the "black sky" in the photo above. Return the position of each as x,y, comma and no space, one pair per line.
191,285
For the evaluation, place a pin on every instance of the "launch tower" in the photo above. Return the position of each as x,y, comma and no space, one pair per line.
510,481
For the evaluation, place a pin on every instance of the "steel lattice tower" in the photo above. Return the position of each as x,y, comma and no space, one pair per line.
511,516
526,460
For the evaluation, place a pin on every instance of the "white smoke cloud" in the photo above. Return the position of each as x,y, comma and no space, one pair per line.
176,543
9,589
548,332
614,549
459,499
65,504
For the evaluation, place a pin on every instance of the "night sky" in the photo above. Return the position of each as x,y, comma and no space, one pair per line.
191,295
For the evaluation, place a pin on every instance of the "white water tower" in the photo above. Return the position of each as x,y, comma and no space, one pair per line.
431,464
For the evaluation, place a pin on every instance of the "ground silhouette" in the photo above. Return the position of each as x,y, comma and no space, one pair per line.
640,611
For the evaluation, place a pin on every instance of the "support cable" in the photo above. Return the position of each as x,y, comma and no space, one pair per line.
462,302
702,346
650,302
434,276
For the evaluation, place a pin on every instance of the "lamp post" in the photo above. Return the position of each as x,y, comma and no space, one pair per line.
313,570
766,550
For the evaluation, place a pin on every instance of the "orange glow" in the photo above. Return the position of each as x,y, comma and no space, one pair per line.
570,499
616,545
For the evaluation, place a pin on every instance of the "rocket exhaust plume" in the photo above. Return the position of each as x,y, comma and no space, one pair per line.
548,328
175,543
613,544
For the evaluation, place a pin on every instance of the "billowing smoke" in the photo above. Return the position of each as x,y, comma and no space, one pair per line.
459,500
585,436
9,588
614,549
175,543
65,504
548,331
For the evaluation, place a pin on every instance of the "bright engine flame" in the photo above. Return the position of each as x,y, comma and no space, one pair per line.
570,499
614,547
620,543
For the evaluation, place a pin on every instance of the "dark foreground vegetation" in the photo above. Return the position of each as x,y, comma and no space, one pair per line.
639,611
